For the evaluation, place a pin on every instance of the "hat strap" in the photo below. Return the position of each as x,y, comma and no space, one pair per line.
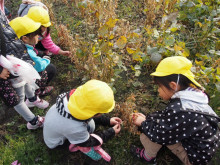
177,82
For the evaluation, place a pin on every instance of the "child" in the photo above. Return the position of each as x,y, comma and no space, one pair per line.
39,14
14,97
75,114
187,126
27,30
27,4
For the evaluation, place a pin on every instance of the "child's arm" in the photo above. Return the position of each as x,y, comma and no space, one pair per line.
40,63
52,47
107,121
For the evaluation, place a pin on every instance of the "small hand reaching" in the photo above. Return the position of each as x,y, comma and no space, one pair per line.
115,120
138,118
117,128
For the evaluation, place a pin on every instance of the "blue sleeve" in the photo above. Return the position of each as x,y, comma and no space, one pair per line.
40,63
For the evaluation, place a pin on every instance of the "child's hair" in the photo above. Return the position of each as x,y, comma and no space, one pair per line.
47,33
183,81
31,35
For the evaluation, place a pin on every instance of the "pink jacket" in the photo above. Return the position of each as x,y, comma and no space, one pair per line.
49,44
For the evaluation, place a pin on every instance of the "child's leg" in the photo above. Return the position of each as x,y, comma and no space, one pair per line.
150,147
33,100
180,152
8,93
22,108
51,72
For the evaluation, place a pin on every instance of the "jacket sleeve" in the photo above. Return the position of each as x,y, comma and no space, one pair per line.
1,68
102,120
105,135
40,63
50,45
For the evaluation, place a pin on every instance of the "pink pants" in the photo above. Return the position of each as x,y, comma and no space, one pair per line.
152,148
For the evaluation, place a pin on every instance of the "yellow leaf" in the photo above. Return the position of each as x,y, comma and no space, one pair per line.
198,23
110,44
132,68
133,35
173,29
130,50
111,36
200,63
103,30
121,42
182,44
177,48
185,53
148,30
218,70
93,49
97,14
111,22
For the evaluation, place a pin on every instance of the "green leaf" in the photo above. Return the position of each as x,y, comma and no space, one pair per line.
169,41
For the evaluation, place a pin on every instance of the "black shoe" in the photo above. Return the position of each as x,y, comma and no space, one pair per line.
139,153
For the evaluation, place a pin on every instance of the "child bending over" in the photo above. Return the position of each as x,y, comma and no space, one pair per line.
75,115
27,30
187,126
45,44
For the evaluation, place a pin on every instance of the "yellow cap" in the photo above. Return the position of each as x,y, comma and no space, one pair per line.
24,25
91,98
175,65
39,14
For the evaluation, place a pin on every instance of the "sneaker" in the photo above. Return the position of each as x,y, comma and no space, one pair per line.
47,91
38,124
139,153
40,103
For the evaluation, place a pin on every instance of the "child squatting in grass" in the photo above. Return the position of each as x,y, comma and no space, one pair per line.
75,115
187,126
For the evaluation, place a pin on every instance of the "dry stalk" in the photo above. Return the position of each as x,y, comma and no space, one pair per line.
125,110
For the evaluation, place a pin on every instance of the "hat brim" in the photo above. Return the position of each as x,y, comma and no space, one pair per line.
47,24
188,75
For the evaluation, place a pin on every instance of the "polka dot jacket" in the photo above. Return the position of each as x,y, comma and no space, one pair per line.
187,119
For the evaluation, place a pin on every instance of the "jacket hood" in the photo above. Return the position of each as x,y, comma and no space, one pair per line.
192,95
195,100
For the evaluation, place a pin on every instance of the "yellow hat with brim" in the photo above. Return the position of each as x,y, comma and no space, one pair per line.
24,25
175,65
39,14
90,99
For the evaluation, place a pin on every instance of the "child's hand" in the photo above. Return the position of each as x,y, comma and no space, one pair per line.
5,74
117,128
138,118
64,53
115,120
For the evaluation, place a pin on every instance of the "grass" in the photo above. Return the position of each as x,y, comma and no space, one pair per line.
27,146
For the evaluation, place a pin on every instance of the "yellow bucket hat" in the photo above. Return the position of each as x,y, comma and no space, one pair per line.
39,14
91,98
175,65
24,25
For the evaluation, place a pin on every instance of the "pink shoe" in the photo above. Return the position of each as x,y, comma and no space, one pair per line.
40,103
39,123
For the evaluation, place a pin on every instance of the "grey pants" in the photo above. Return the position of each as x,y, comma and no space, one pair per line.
152,148
21,107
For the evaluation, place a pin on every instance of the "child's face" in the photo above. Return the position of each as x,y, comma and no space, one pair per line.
30,40
165,93
43,29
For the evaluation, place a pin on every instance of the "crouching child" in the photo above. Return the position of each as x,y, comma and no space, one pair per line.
75,115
